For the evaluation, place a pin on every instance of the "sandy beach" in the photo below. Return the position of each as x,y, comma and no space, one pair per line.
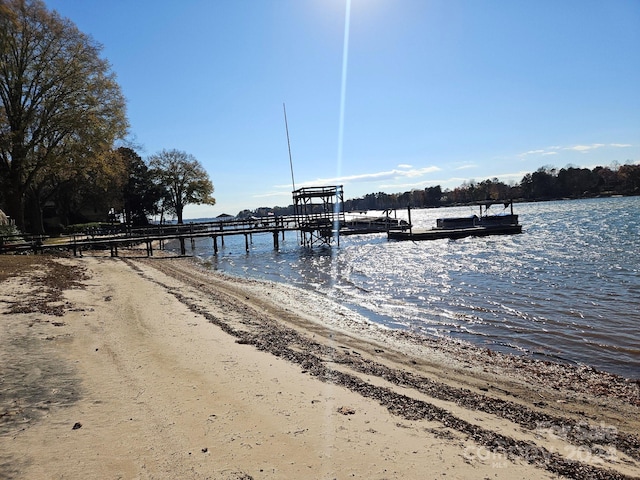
155,368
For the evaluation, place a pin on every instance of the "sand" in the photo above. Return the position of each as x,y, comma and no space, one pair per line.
118,368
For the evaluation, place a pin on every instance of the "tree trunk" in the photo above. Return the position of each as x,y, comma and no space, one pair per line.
179,209
15,207
36,224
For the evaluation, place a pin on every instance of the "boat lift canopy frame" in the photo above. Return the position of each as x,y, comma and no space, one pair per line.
487,204
319,213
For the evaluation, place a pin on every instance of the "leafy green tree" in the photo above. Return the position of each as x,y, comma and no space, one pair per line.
184,180
629,176
60,106
140,194
432,196
89,185
543,183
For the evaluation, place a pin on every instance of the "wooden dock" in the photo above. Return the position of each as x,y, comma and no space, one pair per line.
318,219
160,234
321,228
21,243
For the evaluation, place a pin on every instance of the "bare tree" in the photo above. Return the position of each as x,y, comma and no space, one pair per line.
60,105
184,179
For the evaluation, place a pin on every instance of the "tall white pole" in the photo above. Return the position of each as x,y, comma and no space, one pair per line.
286,126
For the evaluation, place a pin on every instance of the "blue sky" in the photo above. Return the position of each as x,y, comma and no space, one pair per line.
405,94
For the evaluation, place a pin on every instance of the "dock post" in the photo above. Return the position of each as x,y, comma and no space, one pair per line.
183,250
246,242
276,245
215,244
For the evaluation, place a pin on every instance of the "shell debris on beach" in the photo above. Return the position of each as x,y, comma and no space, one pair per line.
185,373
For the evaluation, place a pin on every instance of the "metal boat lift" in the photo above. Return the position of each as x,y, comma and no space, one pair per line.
319,214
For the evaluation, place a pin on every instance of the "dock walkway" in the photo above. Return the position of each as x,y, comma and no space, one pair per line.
159,234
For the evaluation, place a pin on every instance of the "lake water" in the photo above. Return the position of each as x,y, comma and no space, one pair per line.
566,289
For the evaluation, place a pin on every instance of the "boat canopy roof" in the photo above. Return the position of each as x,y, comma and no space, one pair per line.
488,203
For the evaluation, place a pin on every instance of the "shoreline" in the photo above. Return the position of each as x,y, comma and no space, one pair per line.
350,387
352,321
544,331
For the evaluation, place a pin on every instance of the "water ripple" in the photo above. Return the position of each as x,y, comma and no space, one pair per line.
567,288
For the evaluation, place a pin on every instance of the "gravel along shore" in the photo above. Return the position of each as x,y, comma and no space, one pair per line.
157,368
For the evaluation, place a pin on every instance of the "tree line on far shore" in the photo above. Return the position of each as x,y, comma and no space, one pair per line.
546,183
